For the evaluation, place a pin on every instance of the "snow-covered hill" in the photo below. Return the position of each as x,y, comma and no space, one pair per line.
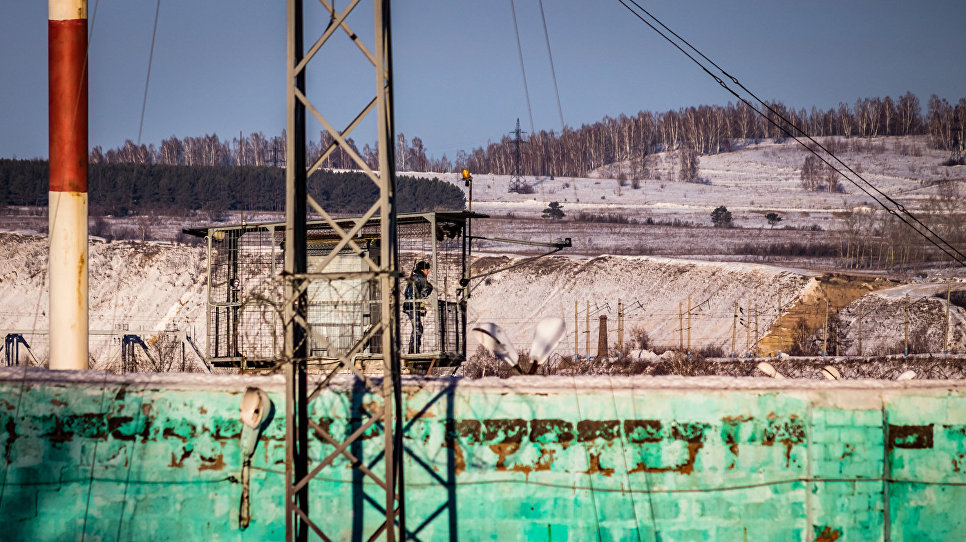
151,287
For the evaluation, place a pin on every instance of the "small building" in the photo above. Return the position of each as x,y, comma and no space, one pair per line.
246,292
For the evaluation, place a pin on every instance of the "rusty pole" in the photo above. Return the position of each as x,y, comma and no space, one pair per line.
602,337
67,204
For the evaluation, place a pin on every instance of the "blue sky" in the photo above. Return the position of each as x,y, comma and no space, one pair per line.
219,66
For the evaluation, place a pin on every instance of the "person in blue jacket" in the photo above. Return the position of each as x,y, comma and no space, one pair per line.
418,289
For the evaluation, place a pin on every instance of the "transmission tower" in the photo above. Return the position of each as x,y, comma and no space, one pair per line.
517,184
957,143
379,272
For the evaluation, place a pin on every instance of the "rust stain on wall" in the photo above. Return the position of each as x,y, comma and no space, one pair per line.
828,534
64,428
502,450
789,433
550,430
595,467
639,431
179,463
685,468
589,430
915,437
212,463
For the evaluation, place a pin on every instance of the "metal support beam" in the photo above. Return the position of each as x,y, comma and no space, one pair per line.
380,275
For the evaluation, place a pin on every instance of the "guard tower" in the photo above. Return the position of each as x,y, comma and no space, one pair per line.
245,292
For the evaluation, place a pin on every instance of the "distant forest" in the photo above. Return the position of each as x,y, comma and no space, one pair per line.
703,129
124,189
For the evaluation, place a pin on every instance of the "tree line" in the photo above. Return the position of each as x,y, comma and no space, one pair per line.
714,129
125,189
631,139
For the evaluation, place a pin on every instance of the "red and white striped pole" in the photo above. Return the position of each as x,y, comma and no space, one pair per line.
67,271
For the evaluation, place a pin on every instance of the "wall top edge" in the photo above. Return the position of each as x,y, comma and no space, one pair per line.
533,384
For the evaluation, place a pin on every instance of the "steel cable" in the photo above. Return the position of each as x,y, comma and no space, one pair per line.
899,211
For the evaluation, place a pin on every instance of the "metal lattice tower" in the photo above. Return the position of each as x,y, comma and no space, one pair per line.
957,143
380,272
517,184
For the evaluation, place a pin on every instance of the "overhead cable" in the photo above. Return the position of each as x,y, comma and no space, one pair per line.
147,79
526,91
897,209
553,72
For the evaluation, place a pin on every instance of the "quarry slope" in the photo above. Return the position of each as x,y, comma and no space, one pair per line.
148,287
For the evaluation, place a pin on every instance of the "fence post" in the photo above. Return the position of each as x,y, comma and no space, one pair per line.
755,346
748,329
587,341
946,331
576,331
907,325
620,327
778,324
689,327
860,329
734,330
825,331
680,326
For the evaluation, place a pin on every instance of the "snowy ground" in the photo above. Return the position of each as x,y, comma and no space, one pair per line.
146,288
155,286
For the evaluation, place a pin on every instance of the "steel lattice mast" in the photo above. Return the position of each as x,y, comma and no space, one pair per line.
298,280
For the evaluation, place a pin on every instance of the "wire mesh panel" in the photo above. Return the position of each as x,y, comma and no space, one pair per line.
245,317
339,311
244,293
429,321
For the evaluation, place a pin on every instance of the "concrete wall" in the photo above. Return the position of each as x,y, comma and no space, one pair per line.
102,457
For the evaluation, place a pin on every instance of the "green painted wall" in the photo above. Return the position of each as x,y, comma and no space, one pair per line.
100,457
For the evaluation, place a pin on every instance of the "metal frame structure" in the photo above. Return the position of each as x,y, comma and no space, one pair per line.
382,271
243,310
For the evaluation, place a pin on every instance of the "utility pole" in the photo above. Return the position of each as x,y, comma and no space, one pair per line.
67,265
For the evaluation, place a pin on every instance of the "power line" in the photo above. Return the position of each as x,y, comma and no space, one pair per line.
147,79
526,91
553,72
899,211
